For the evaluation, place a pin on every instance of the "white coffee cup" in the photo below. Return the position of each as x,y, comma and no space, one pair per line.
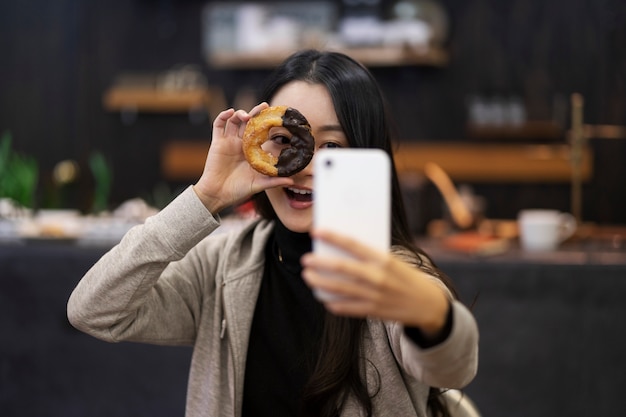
544,230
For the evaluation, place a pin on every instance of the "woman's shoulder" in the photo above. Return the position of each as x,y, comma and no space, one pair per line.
239,234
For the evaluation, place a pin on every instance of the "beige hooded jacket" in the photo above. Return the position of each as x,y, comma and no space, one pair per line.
171,281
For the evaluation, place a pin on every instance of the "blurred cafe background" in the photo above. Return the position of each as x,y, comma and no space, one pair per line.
500,106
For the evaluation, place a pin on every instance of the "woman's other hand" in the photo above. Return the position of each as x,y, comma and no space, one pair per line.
377,284
227,178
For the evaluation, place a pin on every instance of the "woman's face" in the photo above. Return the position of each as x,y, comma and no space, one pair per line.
294,205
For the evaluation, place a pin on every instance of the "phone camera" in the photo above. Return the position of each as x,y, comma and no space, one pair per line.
328,163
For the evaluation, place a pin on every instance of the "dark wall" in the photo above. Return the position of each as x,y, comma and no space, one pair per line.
59,57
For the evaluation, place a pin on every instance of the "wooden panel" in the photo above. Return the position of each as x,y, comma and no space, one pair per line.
525,131
494,163
490,163
370,56
183,160
162,101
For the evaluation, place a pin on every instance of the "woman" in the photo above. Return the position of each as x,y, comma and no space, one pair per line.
263,345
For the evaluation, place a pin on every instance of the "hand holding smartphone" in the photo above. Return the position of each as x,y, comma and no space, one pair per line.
352,197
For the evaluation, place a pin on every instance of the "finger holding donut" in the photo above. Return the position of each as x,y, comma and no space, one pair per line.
227,178
234,127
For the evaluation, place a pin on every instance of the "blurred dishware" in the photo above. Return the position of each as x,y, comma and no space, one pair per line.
544,230
476,243
52,224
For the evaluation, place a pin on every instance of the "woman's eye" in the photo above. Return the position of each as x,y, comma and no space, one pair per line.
331,145
281,140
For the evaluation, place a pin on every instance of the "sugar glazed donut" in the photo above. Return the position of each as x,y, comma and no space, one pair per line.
291,159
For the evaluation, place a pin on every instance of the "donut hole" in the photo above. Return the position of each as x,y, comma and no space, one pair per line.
278,139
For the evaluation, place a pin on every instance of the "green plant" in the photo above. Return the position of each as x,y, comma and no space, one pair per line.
19,174
103,178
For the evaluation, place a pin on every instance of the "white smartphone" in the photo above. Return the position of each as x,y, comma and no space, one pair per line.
352,196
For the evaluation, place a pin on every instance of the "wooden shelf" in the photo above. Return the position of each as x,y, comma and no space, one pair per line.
183,160
495,163
528,130
489,163
153,100
368,56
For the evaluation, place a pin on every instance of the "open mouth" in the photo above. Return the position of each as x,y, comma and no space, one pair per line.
299,194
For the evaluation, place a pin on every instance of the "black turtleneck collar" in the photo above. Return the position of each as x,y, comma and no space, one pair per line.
286,329
290,246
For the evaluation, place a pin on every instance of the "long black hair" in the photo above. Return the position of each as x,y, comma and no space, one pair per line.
362,114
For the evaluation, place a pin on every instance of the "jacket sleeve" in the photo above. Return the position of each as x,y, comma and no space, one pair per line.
453,363
143,289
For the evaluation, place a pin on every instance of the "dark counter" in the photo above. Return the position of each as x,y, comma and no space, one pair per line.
48,368
551,325
551,342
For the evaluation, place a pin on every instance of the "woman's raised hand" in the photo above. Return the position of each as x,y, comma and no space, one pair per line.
227,177
377,284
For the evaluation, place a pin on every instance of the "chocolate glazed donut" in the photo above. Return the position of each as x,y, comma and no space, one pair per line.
302,144
292,159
